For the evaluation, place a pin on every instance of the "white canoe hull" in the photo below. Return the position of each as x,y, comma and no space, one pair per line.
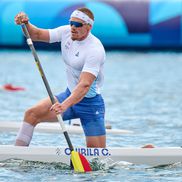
147,156
10,126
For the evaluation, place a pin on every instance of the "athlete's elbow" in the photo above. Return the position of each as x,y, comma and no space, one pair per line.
85,86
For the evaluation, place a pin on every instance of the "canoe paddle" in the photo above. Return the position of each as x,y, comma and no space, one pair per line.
79,162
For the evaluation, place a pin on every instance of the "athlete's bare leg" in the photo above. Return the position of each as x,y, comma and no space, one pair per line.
96,141
36,114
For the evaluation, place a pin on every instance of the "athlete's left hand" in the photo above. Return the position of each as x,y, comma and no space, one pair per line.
58,108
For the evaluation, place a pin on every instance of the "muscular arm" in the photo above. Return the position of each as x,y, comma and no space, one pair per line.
86,80
38,34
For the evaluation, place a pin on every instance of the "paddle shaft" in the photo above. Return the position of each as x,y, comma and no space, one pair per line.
30,43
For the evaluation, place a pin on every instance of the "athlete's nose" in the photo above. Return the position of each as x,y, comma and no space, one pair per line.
73,27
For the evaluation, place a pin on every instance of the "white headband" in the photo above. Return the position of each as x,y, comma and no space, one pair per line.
82,16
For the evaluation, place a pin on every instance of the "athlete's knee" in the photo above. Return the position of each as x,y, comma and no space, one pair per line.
96,145
96,142
31,116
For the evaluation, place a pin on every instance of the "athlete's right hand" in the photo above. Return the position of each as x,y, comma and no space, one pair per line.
21,18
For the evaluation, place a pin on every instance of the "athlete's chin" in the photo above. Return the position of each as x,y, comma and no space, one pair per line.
74,38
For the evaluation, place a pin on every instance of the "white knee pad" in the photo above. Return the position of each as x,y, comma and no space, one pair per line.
25,133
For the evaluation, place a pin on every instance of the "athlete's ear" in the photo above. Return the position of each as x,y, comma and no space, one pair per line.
89,27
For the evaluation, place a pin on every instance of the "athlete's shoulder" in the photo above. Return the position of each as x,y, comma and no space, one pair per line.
63,29
59,34
95,49
96,44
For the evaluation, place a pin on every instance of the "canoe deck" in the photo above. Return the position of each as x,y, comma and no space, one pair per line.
147,156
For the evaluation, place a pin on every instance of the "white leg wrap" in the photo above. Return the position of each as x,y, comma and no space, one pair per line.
25,133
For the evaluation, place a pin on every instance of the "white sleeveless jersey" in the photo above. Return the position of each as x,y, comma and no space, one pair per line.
87,55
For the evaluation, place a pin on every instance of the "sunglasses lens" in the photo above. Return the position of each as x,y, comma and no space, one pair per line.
76,24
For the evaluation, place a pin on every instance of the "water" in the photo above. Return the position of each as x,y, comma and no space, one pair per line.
142,92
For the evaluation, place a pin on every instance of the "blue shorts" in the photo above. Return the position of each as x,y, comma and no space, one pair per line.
91,112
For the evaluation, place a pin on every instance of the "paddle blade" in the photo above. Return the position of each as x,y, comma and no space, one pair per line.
85,163
79,162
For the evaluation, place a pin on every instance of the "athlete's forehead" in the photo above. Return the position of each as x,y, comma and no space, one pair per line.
76,19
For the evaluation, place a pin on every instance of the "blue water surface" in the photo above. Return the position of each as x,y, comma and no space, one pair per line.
142,91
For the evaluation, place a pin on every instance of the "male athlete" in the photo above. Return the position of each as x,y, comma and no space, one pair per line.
83,55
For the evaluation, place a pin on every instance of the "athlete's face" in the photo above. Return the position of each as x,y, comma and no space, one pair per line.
79,29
